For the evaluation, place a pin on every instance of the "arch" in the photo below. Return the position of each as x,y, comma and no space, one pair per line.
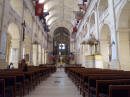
105,45
57,23
17,5
57,30
61,44
13,31
102,6
13,42
124,36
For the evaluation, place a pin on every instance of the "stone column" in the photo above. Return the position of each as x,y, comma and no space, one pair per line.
89,50
21,37
3,31
97,29
37,56
41,54
44,55
31,50
115,64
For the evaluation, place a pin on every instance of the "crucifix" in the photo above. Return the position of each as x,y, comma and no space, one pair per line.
23,25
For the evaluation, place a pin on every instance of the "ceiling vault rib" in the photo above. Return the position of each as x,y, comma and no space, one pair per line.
60,13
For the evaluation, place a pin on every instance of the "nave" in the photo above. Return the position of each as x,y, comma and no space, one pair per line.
57,85
90,39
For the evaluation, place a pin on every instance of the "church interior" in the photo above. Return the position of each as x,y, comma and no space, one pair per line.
64,48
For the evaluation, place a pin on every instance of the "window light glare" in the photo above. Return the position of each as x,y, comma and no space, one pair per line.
41,1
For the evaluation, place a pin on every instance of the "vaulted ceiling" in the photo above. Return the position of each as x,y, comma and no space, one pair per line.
60,13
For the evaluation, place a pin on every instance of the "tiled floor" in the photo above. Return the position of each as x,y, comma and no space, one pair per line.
58,85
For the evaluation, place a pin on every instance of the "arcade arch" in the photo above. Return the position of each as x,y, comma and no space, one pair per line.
13,42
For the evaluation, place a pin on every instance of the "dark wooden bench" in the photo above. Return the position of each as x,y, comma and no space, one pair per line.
81,77
18,82
119,91
10,85
102,86
92,81
2,88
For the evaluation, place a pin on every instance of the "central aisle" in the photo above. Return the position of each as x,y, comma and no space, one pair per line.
57,85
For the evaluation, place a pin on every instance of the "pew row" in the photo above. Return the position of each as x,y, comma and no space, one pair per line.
24,82
119,91
86,79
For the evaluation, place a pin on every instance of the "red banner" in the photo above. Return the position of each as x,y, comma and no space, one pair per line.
39,9
75,29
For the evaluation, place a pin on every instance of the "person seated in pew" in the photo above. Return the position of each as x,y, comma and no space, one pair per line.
11,66
23,65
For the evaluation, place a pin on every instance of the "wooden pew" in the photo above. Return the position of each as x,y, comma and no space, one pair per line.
2,88
20,80
85,78
10,86
102,86
119,91
80,75
24,81
92,81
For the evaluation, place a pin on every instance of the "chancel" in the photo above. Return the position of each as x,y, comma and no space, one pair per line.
64,48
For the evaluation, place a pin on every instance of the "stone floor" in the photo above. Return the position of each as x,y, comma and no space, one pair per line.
57,85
